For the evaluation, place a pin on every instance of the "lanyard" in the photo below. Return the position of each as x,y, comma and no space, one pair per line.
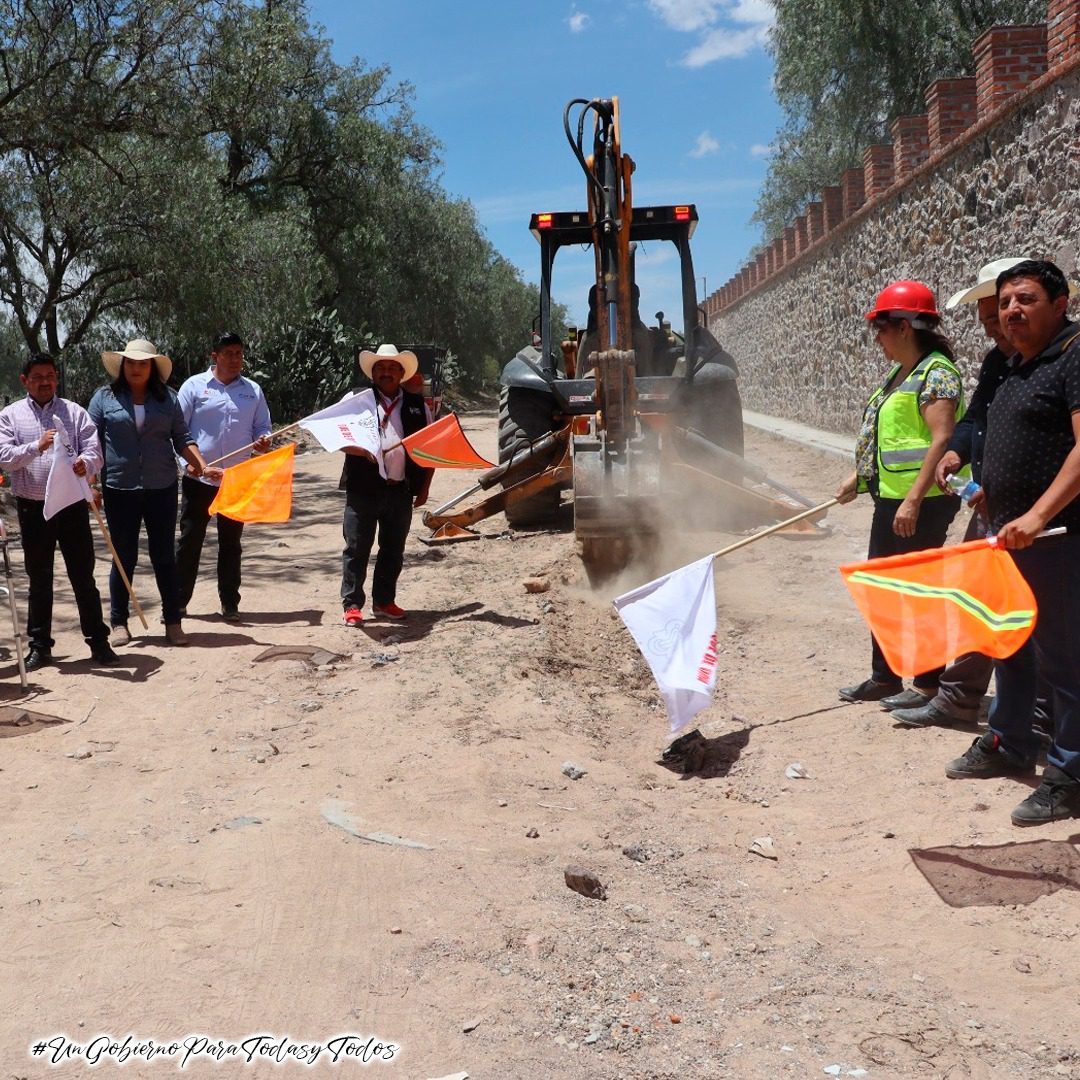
388,411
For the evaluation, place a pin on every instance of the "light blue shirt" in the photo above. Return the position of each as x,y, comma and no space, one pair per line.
224,417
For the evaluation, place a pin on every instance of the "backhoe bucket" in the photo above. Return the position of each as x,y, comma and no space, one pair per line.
616,493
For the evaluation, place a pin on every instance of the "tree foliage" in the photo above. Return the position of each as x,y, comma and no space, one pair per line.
168,169
845,69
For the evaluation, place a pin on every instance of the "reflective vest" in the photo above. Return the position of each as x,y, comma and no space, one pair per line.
903,438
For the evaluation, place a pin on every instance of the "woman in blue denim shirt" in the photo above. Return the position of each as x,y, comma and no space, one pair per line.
142,430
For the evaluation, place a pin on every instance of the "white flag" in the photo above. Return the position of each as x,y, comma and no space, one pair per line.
353,421
62,487
673,621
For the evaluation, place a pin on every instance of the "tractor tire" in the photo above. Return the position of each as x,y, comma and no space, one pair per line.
524,417
716,412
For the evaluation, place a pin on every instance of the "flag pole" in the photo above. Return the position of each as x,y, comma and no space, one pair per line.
119,566
776,528
250,445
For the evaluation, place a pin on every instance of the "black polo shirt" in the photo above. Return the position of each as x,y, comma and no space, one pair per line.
969,438
1029,431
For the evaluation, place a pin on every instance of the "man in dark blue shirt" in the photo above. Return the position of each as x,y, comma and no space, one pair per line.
1031,476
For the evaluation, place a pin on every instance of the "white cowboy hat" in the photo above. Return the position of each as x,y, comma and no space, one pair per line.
407,360
987,283
138,349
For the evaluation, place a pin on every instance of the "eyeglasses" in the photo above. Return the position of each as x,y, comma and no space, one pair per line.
881,322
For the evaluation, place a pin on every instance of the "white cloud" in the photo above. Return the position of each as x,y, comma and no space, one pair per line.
577,22
760,150
688,15
756,12
724,44
704,146
728,28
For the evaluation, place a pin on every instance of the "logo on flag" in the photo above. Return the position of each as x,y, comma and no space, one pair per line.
673,621
62,487
353,421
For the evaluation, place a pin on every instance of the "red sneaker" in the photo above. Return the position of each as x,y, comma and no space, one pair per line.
353,617
389,611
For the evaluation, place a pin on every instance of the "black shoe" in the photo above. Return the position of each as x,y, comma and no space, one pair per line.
682,744
103,654
986,758
870,690
1056,798
906,699
230,614
929,715
37,658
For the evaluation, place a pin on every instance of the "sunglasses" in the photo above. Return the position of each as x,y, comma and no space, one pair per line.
882,322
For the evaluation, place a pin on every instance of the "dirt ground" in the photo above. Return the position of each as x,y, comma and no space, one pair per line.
179,858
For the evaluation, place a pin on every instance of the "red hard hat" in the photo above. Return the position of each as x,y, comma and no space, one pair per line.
904,297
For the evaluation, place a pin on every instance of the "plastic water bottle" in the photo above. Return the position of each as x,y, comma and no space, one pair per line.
966,489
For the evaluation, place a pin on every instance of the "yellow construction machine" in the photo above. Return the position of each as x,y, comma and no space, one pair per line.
643,423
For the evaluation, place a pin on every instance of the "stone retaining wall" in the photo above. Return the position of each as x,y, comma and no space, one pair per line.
1008,186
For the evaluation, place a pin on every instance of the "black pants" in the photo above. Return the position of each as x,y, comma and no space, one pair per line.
194,517
71,530
127,512
935,516
390,510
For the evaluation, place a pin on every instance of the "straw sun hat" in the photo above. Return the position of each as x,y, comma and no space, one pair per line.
138,349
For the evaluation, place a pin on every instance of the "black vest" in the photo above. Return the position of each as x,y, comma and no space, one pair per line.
361,477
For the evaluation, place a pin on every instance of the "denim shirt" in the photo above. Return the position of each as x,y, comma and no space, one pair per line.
135,459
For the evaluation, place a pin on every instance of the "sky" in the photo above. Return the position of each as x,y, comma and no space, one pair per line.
491,80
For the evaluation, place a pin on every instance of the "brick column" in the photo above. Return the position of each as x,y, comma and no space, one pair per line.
770,260
763,267
790,250
1063,32
951,106
1007,58
878,170
852,186
832,205
778,254
911,144
802,237
745,284
815,222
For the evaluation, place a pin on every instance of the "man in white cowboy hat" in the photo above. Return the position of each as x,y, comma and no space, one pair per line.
229,418
382,500
963,683
28,429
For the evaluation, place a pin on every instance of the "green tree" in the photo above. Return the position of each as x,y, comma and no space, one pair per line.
845,69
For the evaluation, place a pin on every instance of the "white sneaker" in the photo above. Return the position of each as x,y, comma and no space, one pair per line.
120,636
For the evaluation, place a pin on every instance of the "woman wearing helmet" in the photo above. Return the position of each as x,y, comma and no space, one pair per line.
906,427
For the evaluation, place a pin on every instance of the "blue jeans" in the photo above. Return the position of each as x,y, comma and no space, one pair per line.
126,511
1052,568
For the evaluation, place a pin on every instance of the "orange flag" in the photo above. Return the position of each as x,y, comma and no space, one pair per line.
929,607
443,445
259,489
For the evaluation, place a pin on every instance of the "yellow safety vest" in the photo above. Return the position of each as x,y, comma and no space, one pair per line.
903,438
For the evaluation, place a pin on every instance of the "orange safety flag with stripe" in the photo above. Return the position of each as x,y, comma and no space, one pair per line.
258,490
443,445
928,607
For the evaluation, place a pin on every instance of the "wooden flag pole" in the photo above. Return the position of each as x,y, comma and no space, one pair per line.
776,528
250,445
119,566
